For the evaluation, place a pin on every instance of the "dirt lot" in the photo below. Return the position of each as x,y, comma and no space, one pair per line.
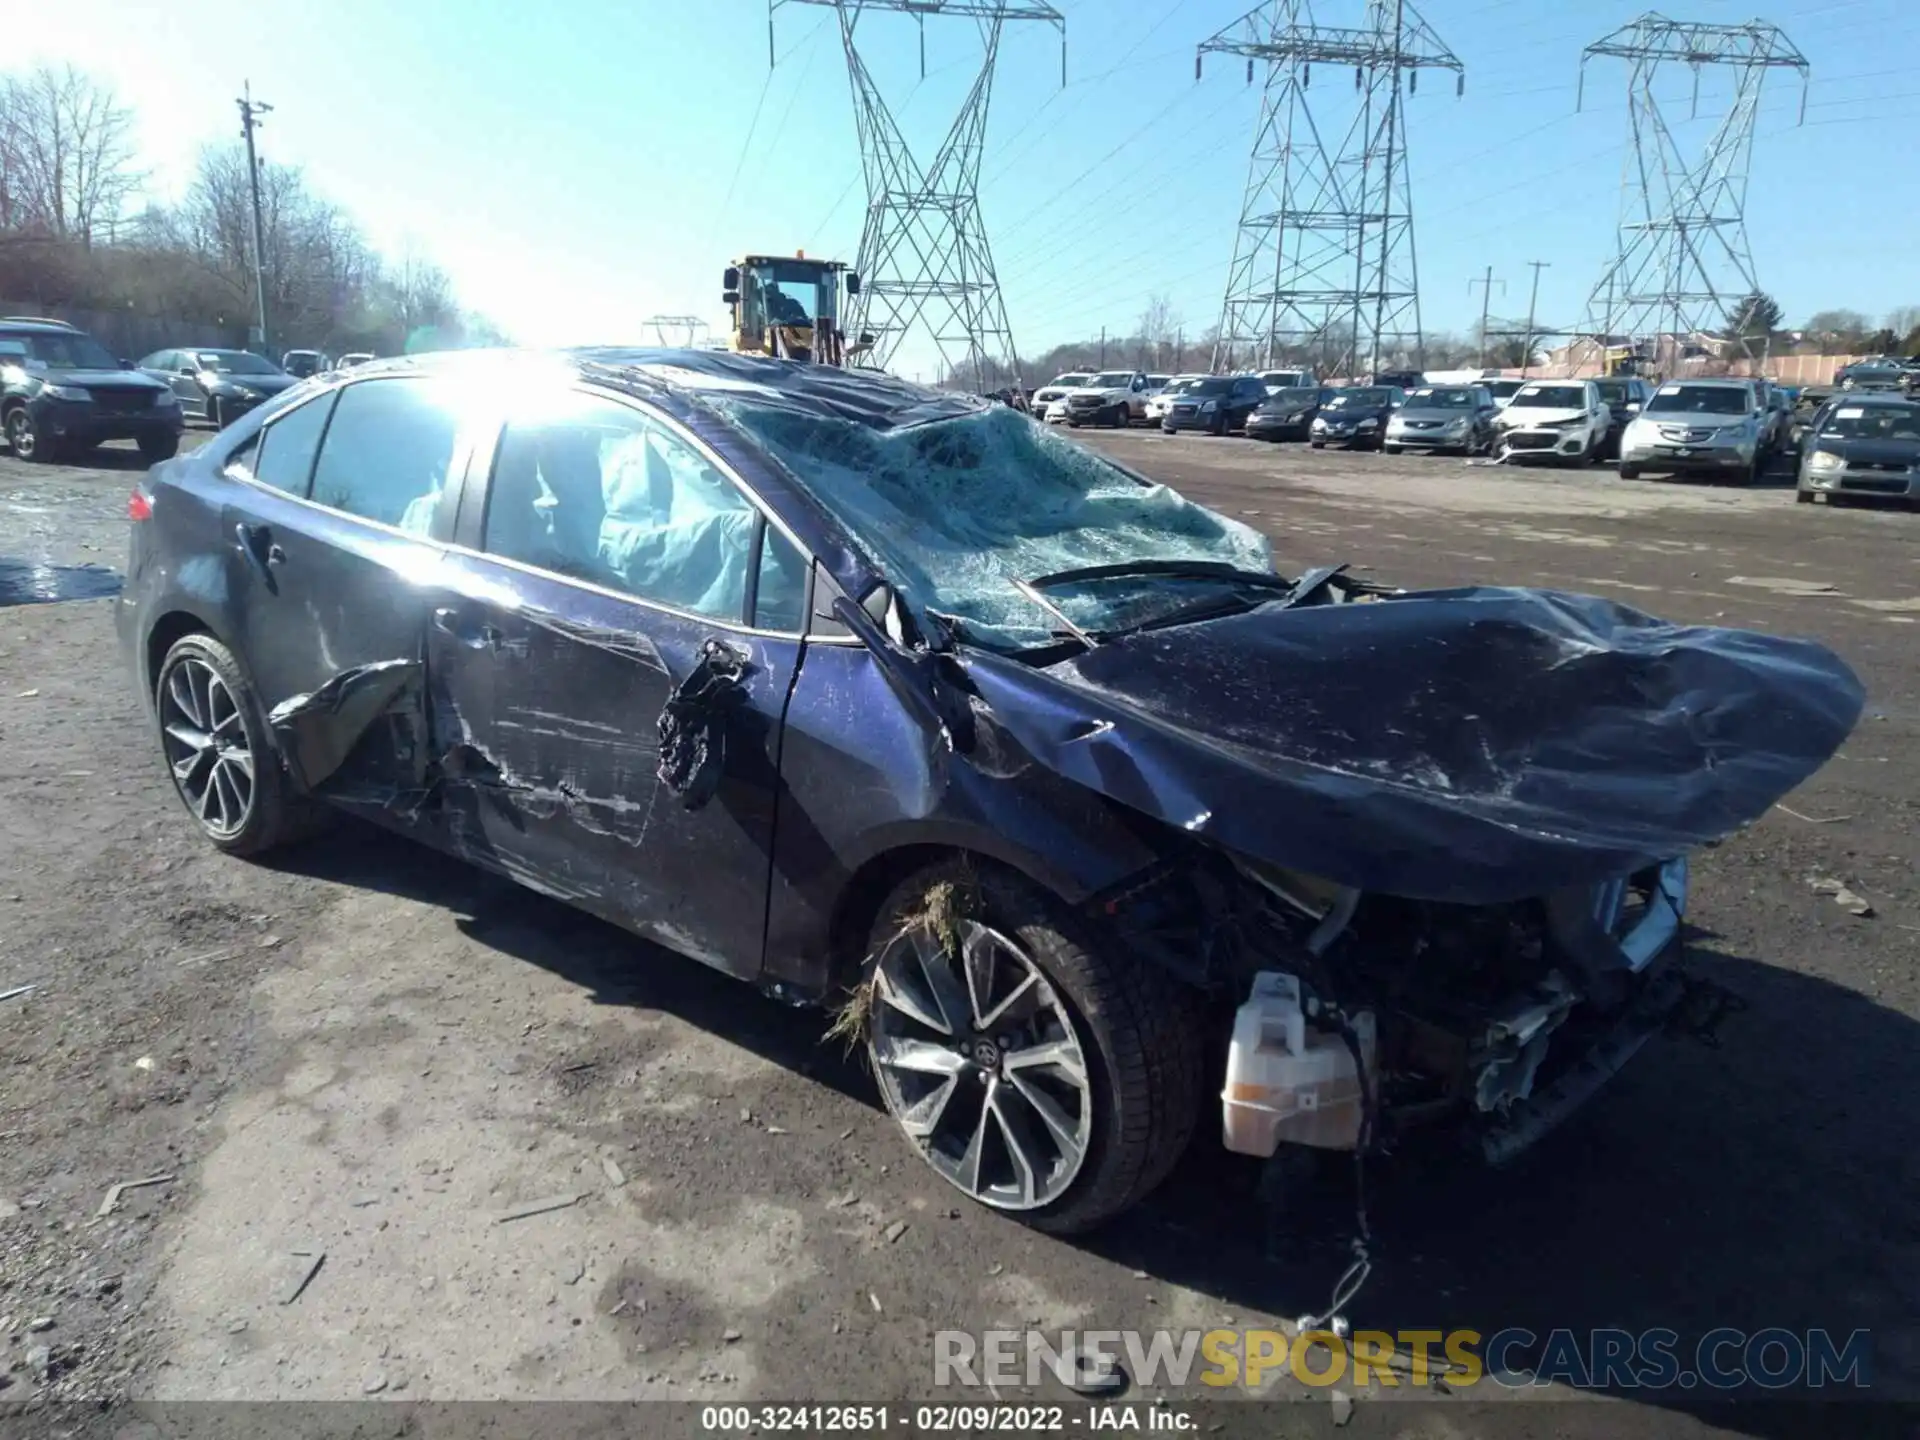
367,1056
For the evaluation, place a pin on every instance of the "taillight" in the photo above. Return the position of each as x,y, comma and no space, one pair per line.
139,506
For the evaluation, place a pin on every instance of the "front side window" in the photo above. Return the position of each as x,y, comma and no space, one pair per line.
595,490
387,454
284,456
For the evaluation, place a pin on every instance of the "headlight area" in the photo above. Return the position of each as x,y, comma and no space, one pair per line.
1346,1019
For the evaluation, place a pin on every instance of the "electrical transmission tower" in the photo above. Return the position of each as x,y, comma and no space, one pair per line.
924,263
1684,263
681,332
1323,265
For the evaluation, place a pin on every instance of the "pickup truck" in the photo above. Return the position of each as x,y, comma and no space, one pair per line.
1112,397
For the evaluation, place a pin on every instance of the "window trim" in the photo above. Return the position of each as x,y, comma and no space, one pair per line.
469,536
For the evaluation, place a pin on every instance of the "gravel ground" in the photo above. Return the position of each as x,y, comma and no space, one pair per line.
367,1056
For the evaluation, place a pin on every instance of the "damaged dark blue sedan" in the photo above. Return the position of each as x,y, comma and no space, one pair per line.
891,700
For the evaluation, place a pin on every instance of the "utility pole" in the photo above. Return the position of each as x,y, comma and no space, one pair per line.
1486,307
1103,347
1526,356
250,112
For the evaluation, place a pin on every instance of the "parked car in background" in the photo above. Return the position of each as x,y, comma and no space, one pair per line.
217,385
302,363
1161,401
1884,372
1044,829
1112,397
1560,420
1157,383
1807,404
1215,404
1355,417
1054,393
1287,414
1697,427
1276,380
1865,447
1502,391
62,391
1442,417
353,358
1624,396
1400,379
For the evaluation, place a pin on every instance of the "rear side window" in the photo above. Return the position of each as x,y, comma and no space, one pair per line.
388,452
284,456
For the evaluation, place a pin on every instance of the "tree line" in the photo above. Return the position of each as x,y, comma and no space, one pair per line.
73,238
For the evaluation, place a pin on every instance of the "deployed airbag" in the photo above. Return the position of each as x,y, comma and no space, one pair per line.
1472,745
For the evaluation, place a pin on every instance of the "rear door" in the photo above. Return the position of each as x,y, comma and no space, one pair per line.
336,530
606,558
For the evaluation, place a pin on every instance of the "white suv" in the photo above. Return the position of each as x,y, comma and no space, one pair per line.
1561,420
1162,399
1049,401
1113,397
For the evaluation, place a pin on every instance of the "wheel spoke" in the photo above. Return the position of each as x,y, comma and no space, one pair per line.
945,987
892,995
1062,1055
923,1117
921,1057
180,691
1063,1130
241,762
191,736
191,769
968,1174
1021,1146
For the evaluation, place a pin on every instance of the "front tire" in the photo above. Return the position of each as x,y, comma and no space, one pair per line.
220,752
1629,472
1034,1066
25,437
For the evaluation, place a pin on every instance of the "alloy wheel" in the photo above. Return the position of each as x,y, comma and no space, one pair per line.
980,1062
205,741
20,433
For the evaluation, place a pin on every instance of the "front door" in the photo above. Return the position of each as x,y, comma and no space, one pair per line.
335,536
615,561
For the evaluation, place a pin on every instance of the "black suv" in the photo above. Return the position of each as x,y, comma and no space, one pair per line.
60,390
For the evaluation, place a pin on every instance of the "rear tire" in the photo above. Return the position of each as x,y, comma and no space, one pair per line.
1136,1030
209,720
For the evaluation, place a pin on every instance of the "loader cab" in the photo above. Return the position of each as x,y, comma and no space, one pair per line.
791,308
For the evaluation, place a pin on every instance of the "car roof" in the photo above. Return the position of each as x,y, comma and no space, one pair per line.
868,397
1851,399
41,327
1718,382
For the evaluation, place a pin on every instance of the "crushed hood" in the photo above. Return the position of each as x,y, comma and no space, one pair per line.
1473,746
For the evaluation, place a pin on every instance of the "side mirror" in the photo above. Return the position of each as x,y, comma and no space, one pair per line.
731,297
125,363
853,283
1633,407
731,279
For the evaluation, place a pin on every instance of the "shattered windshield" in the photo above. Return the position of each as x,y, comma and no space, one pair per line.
957,510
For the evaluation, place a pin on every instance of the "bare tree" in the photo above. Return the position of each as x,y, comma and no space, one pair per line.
1838,328
66,154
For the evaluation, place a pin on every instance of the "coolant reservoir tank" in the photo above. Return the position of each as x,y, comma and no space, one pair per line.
1287,1081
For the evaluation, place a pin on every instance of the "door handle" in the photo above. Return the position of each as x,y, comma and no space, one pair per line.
446,620
255,544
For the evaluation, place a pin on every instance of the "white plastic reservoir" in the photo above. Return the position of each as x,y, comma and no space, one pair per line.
1287,1082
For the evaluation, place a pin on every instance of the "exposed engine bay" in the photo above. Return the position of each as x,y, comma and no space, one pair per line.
1496,1020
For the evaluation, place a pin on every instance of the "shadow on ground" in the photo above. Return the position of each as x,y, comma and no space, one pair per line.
1764,1184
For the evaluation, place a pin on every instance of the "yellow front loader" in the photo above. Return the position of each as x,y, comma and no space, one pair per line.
791,308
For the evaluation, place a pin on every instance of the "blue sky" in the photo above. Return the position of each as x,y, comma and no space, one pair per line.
579,165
